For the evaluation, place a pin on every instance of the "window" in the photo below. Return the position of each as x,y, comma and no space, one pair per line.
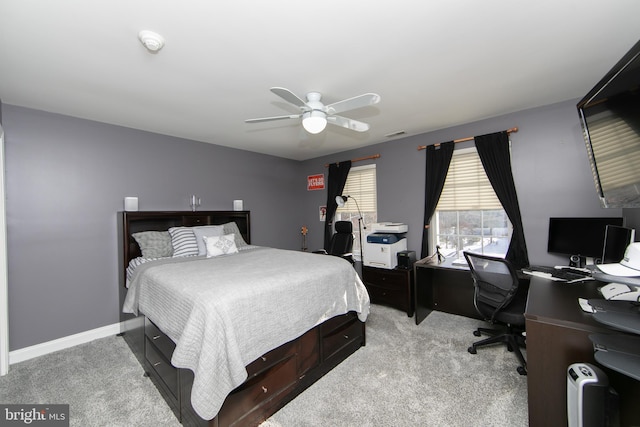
469,216
361,186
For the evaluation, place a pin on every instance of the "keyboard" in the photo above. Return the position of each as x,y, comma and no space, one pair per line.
567,274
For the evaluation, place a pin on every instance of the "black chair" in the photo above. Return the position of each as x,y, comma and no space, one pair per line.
341,243
497,300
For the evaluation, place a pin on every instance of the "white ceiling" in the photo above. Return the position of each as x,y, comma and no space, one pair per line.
435,64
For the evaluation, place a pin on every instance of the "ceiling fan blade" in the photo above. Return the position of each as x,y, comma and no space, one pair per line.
353,103
348,123
268,119
289,96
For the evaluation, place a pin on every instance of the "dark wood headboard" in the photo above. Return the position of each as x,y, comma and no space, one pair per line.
133,222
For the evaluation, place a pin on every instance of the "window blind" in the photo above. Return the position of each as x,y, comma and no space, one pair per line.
467,186
617,152
361,185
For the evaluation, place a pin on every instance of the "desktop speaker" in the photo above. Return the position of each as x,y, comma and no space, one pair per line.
590,400
575,261
406,259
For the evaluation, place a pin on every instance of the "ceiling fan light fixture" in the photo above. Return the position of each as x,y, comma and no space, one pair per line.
314,121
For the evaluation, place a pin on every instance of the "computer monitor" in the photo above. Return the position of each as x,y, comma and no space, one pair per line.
616,240
583,237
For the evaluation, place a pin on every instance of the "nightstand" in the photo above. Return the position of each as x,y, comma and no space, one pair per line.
394,288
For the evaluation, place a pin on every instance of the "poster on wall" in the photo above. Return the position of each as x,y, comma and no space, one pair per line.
315,182
323,213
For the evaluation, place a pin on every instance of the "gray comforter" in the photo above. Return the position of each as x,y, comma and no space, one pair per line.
225,312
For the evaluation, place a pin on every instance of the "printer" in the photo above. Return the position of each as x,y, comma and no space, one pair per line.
383,242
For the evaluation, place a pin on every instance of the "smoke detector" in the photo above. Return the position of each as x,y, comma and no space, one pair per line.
152,41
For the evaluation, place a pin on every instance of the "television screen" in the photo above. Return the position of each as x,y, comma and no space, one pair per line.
610,118
579,236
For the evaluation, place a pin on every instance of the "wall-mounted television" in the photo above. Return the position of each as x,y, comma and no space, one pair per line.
579,236
610,118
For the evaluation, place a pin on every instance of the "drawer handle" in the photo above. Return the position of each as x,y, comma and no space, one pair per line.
264,389
346,337
264,359
155,337
157,364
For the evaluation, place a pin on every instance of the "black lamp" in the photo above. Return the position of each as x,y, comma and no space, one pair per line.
340,201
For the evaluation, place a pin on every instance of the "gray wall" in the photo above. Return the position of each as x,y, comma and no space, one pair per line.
549,162
67,177
66,180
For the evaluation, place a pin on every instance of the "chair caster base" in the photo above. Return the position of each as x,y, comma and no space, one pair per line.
472,350
521,370
477,333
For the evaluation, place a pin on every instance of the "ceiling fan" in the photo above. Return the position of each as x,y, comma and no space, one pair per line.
315,115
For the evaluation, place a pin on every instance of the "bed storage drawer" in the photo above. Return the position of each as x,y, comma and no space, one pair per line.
167,374
334,340
271,358
337,321
258,391
162,342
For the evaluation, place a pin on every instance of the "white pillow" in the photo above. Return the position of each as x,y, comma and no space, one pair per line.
220,245
206,230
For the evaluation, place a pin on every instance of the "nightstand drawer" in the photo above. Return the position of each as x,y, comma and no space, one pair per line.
390,287
391,279
387,296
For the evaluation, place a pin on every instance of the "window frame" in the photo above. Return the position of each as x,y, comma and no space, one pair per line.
491,204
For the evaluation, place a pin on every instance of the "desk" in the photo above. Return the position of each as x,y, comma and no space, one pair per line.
443,287
557,336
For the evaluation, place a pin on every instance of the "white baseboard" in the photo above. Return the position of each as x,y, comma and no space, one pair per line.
37,350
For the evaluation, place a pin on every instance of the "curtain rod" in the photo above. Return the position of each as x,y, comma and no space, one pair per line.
375,156
470,138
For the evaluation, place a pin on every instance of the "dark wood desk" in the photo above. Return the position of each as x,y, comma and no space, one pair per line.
443,287
557,336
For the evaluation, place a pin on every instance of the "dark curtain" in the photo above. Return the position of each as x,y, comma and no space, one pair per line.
493,150
437,166
337,178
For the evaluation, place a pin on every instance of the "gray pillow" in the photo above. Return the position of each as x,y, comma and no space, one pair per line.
232,227
154,244
206,231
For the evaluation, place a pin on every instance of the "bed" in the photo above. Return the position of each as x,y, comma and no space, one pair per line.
227,331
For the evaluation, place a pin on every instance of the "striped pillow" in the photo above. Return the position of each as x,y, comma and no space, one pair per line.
183,241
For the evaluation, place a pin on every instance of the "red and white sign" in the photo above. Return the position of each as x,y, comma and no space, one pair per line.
315,182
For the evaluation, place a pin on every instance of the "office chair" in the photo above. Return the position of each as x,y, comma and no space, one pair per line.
341,243
496,299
